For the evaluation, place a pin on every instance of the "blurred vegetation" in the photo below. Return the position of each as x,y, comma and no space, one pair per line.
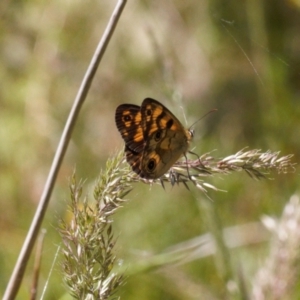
242,58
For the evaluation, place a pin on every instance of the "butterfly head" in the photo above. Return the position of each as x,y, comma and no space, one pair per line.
191,132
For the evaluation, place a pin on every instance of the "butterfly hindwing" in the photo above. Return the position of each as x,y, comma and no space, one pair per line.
159,156
134,159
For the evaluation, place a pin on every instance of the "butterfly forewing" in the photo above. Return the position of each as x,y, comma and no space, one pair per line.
128,121
155,116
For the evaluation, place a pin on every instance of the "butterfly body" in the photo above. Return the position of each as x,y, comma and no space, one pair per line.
154,138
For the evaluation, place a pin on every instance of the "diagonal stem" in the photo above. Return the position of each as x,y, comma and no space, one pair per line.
18,272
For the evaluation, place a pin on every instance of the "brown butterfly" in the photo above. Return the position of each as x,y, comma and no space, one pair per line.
154,138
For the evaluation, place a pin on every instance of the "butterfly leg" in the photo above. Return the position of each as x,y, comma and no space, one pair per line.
187,166
199,159
177,177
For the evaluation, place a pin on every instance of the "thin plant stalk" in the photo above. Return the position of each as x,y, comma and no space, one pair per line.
18,272
222,256
37,265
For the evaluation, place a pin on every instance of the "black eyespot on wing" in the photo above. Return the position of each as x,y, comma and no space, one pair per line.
121,118
151,165
149,112
127,118
158,135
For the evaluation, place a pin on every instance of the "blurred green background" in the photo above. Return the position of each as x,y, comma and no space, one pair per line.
241,57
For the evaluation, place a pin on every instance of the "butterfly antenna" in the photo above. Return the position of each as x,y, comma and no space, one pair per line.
211,111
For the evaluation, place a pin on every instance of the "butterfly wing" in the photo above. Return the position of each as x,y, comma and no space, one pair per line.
156,116
166,140
134,159
154,138
128,120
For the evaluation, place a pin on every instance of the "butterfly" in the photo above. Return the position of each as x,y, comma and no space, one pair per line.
154,138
